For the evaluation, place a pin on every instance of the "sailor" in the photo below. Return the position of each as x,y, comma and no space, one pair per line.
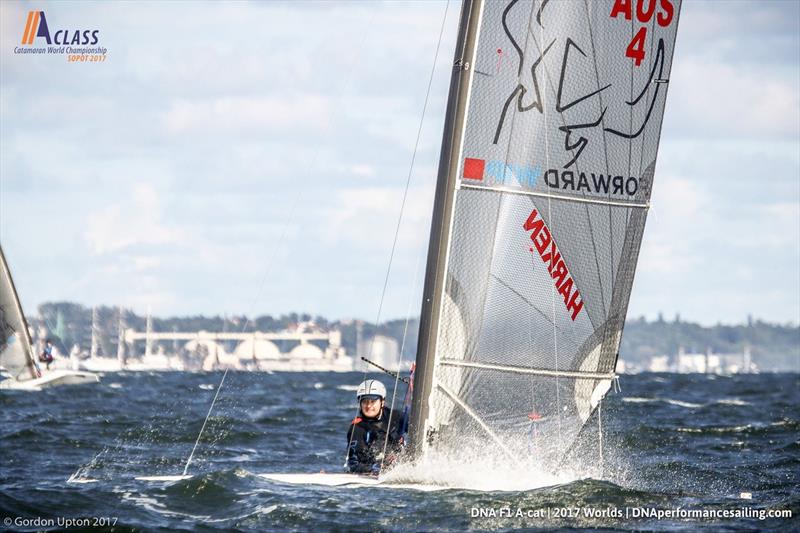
367,436
47,353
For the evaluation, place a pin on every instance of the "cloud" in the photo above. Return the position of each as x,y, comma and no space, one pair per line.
365,171
734,73
784,226
139,222
679,206
261,137
237,115
369,216
716,100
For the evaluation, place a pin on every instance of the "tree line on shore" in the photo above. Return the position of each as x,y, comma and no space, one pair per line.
773,347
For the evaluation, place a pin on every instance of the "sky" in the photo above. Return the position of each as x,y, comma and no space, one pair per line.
251,158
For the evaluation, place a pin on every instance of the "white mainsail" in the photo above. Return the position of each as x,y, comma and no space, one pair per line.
16,354
547,167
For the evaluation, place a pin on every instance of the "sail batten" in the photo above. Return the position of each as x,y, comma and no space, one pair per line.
533,371
556,196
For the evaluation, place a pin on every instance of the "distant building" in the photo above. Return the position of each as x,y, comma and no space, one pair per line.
381,350
659,364
715,363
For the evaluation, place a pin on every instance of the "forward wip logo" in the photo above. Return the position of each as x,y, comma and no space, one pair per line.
36,26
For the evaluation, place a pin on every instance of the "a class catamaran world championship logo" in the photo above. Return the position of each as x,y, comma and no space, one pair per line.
76,44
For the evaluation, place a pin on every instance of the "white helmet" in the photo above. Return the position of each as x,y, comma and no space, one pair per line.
371,387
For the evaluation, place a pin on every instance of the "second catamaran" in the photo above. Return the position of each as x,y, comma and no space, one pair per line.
16,352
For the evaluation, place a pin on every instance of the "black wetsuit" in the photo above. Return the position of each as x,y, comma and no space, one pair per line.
366,438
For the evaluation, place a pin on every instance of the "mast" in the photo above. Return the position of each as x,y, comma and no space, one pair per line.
93,350
435,275
120,340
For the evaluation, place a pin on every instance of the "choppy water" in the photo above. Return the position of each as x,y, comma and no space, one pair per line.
690,442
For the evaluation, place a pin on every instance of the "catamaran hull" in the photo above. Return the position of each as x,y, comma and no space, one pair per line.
51,379
347,480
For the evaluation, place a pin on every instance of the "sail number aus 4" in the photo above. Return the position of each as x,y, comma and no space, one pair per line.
545,246
644,11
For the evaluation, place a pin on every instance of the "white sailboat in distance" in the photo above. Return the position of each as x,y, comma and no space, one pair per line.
16,351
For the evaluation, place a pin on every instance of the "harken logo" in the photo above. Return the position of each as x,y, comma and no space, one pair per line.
36,26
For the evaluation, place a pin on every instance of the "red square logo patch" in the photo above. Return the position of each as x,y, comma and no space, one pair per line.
473,168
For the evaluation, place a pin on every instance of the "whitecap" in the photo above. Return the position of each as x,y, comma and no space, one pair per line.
723,429
732,401
634,399
679,403
682,404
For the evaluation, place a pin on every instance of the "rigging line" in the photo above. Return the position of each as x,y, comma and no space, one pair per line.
577,166
608,171
550,217
630,112
584,196
300,191
549,81
606,309
402,348
521,297
275,248
455,399
650,67
515,110
405,196
600,433
208,415
531,388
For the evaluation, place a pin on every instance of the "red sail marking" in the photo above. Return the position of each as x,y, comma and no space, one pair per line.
473,168
546,247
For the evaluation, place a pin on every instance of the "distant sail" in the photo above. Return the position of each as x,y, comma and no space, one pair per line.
555,118
16,354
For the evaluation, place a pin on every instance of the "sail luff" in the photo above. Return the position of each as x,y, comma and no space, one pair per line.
14,320
435,275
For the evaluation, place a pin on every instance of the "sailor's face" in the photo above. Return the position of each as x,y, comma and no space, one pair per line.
371,407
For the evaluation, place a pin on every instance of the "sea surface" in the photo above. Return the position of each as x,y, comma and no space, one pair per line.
673,444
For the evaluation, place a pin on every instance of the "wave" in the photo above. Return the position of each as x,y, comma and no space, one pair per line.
723,429
689,405
732,401
755,428
679,403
